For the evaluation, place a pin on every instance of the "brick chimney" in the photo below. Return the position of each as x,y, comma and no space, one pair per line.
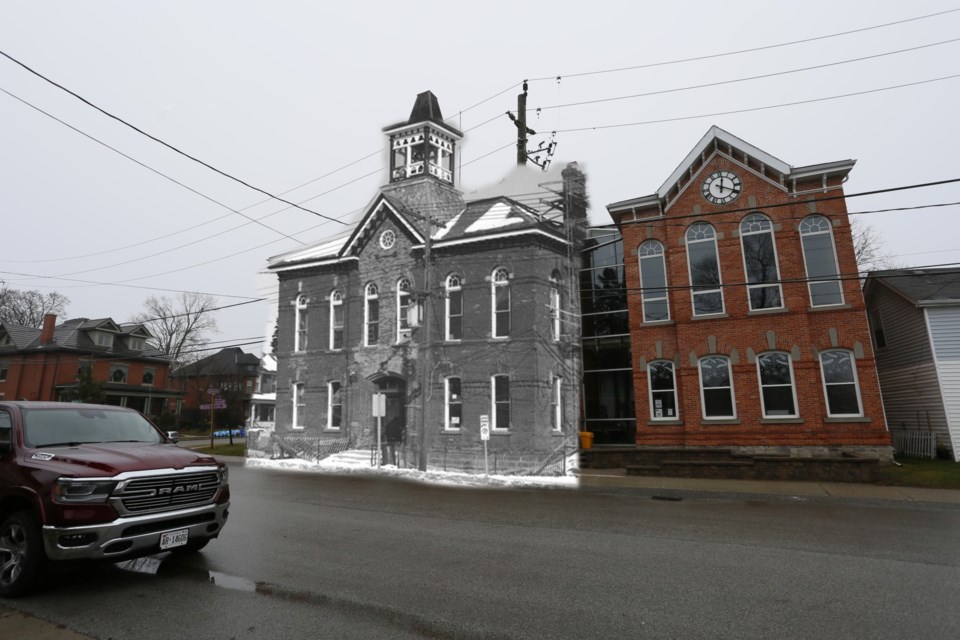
46,333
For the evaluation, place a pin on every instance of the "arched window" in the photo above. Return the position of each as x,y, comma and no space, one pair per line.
336,320
663,390
778,397
820,258
299,420
453,403
840,384
334,406
555,326
500,302
704,269
300,321
556,405
454,308
716,388
371,315
653,282
760,262
500,401
403,310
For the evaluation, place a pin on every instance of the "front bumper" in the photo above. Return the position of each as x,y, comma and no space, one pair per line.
132,536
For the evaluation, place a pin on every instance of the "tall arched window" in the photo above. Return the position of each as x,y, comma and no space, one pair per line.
403,310
336,320
300,321
555,325
820,258
663,390
716,388
334,406
371,315
704,267
840,383
454,310
778,396
500,302
653,282
760,262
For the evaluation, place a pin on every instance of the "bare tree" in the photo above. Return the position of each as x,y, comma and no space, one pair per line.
181,325
868,247
27,308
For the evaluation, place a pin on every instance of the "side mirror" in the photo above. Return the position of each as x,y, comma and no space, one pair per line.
173,436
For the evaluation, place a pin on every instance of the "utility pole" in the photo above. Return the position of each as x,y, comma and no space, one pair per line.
522,129
425,343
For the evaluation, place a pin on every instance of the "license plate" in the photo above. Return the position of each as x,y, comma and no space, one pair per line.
172,539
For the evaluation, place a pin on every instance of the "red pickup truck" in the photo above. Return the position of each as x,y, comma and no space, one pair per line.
93,482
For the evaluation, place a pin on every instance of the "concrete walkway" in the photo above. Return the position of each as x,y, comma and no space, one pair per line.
15,624
617,478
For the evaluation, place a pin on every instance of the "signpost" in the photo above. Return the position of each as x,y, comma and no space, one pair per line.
485,436
379,411
214,392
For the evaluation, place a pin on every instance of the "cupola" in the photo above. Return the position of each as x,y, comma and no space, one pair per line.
424,145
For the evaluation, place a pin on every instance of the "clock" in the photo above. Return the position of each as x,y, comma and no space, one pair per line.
721,187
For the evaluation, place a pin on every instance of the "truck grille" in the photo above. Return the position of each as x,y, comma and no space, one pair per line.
161,493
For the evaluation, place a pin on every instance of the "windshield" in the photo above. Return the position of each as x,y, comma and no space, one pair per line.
73,425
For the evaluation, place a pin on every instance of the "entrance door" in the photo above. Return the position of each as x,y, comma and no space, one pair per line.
395,422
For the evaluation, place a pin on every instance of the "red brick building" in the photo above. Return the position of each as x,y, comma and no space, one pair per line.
747,322
43,364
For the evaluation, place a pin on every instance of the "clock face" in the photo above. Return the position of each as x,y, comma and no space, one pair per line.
721,187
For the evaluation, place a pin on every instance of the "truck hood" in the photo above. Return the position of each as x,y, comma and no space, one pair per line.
109,459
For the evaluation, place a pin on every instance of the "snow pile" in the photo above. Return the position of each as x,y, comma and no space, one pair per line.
351,464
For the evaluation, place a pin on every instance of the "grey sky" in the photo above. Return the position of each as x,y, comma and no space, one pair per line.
282,93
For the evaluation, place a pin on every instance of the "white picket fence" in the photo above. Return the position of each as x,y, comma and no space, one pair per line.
915,444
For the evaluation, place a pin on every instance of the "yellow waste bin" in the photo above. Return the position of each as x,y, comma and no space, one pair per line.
586,440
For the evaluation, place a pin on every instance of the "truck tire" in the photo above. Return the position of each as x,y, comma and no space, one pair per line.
21,554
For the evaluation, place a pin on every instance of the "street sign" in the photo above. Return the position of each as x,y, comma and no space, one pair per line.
205,407
213,391
219,403
484,427
379,405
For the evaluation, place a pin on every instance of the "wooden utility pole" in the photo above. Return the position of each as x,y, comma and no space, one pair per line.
522,129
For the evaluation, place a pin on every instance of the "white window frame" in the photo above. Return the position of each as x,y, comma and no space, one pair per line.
298,393
403,310
792,385
494,426
104,339
703,399
676,404
856,383
654,251
371,293
753,219
454,285
448,401
555,299
556,402
336,302
300,324
330,405
500,278
836,261
716,254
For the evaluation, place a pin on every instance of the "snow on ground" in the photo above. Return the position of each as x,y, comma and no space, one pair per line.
350,463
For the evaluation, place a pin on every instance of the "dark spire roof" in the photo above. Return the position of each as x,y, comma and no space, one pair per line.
426,108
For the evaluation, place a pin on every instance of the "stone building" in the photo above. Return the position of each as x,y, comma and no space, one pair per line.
460,312
747,322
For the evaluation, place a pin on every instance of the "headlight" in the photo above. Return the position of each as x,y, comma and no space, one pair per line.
224,475
70,491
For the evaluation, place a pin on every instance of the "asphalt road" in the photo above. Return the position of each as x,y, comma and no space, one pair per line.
312,556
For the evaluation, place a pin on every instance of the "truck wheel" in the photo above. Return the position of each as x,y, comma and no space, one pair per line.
190,547
21,554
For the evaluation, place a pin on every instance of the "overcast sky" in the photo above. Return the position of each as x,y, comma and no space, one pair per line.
286,93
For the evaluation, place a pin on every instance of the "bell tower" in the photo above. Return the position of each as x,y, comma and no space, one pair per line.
424,145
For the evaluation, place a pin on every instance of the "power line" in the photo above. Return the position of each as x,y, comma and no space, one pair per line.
129,286
752,109
158,140
750,50
145,166
749,78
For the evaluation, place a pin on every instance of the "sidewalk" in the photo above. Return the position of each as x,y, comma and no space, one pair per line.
23,625
617,478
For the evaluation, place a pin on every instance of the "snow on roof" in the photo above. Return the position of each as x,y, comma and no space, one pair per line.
326,249
496,217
